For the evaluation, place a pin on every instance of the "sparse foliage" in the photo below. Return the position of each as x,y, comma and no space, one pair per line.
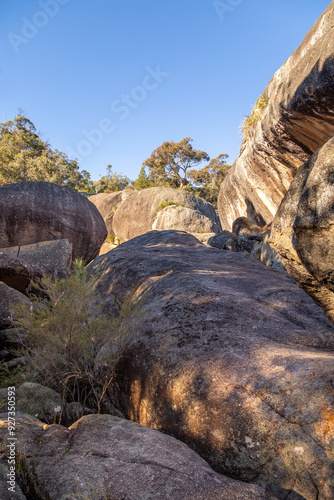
111,182
68,345
24,156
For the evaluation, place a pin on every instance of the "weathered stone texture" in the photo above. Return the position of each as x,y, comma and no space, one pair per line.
298,119
233,358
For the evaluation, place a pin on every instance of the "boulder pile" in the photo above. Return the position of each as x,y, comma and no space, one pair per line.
131,213
291,120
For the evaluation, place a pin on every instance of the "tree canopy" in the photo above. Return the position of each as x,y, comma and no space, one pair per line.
24,156
111,182
169,163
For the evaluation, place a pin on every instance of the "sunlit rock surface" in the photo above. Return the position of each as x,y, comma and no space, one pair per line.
293,118
232,358
105,457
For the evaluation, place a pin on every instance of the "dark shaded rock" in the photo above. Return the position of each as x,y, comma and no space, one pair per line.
47,258
21,265
245,243
233,359
291,120
8,296
256,251
220,239
31,212
257,236
15,272
102,456
232,245
302,231
137,213
5,493
243,225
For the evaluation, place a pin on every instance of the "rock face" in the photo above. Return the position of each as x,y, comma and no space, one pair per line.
31,212
184,219
107,204
243,225
5,494
37,401
15,272
139,210
291,120
302,232
20,265
101,456
233,359
8,296
225,240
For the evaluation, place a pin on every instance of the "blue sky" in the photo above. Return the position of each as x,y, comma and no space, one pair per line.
107,81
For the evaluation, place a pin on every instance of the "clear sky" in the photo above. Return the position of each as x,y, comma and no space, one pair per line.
107,81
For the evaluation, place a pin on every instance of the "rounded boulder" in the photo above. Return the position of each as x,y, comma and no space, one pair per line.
138,212
31,212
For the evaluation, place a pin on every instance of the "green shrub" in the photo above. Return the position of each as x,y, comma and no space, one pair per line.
68,344
255,115
169,204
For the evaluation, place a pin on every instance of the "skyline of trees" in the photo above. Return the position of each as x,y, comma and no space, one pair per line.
24,156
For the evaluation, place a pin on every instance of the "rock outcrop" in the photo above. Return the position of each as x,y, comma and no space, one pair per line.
21,265
131,213
233,359
290,121
243,225
303,229
31,212
9,296
107,204
38,401
102,456
15,272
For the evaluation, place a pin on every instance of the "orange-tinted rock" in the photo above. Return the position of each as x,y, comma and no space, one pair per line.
292,119
233,359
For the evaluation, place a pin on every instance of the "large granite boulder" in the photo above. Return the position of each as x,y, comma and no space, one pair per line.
232,358
107,204
184,219
31,212
139,210
293,118
303,231
102,456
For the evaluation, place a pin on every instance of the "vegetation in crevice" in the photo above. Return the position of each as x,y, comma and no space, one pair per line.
256,115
